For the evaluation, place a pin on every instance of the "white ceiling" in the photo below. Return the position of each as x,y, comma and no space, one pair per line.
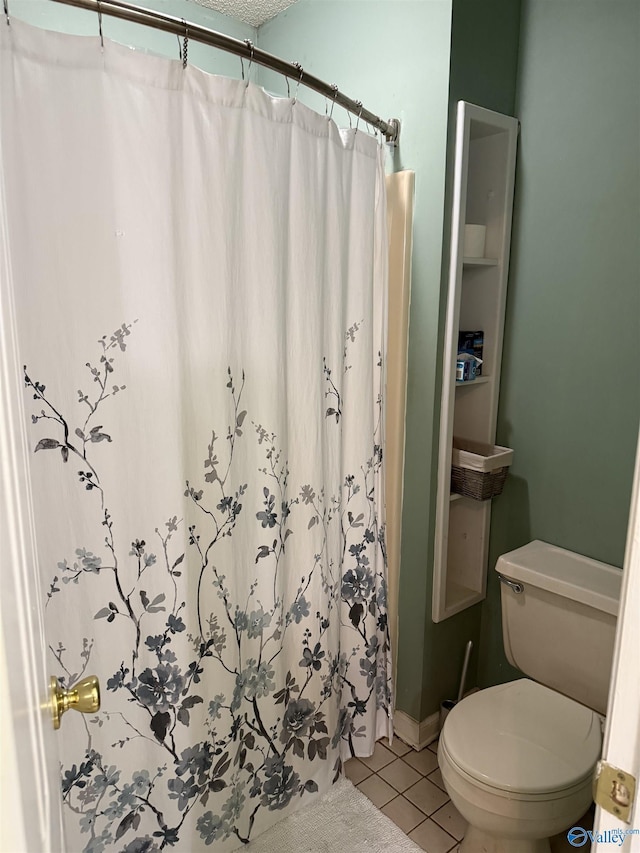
254,12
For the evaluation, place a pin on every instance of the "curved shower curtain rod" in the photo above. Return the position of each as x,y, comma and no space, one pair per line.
244,49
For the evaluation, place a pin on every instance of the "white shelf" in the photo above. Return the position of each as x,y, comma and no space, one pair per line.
481,380
480,262
459,597
483,194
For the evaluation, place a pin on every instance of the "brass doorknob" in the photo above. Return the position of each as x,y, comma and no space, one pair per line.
83,697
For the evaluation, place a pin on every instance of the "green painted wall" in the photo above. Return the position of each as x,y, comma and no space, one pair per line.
484,54
394,57
570,394
53,16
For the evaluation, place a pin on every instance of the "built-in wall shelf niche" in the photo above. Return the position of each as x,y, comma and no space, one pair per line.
483,194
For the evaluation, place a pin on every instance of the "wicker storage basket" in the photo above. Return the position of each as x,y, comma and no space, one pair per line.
479,470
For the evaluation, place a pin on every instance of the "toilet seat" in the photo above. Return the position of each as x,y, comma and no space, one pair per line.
510,797
523,739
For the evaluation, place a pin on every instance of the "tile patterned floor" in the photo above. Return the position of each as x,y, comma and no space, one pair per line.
407,787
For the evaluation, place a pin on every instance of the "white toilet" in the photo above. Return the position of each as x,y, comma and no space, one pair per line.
517,760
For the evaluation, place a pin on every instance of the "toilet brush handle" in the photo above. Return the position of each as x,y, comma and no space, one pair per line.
465,666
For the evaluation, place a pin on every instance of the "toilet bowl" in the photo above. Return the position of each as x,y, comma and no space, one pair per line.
517,759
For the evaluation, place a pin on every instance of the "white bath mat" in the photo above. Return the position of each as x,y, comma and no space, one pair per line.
342,821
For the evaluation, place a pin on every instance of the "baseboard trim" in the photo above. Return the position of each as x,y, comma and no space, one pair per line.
413,733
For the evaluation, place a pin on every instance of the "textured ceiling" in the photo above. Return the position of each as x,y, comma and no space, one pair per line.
254,12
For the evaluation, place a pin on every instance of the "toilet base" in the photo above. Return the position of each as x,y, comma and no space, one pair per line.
477,841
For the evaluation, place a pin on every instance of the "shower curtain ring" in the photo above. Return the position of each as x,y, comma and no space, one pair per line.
249,44
100,24
185,44
6,11
359,104
301,70
334,87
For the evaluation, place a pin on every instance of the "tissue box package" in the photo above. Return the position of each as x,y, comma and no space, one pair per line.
466,367
473,343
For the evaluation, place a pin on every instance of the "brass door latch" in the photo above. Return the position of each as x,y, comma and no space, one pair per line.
614,790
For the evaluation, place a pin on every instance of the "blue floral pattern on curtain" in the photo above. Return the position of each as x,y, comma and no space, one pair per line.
231,764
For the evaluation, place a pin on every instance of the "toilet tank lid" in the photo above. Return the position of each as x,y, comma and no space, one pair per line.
564,573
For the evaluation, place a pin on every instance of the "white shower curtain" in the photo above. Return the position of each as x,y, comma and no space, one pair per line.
199,277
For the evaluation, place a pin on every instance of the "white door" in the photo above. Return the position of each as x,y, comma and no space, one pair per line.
30,798
622,733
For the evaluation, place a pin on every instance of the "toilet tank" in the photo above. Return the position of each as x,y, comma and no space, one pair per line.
560,629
